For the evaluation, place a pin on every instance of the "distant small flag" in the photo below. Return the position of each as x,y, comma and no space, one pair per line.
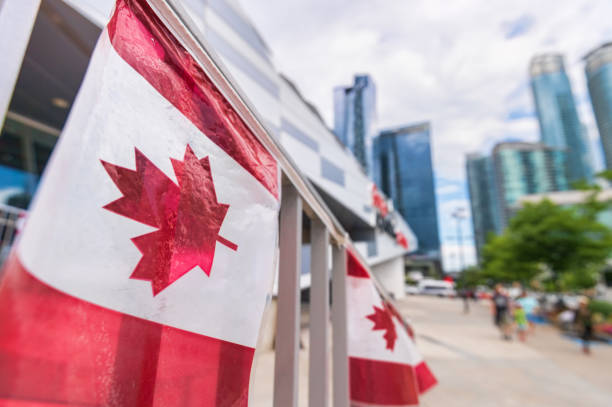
401,240
378,201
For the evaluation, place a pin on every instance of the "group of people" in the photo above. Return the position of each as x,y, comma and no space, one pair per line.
513,314
519,314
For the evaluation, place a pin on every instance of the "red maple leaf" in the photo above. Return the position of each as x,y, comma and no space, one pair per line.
383,320
188,216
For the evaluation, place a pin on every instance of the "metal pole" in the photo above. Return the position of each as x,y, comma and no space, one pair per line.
460,242
318,392
459,214
288,317
340,329
17,19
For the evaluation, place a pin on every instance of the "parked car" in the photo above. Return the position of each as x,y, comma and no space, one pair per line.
437,287
411,289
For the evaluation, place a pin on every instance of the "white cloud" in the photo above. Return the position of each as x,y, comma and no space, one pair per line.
448,189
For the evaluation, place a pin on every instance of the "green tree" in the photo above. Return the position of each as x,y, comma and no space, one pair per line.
568,243
593,206
497,256
470,278
501,263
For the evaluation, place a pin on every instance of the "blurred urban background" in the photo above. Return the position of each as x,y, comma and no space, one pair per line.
461,144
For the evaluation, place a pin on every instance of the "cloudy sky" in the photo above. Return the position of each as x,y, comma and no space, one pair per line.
461,64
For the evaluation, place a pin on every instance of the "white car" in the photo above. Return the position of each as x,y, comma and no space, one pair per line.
437,287
412,289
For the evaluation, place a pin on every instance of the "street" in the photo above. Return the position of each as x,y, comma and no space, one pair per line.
476,368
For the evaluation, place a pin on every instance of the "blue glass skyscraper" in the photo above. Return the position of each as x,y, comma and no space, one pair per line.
560,126
513,170
598,71
403,170
483,198
524,169
355,118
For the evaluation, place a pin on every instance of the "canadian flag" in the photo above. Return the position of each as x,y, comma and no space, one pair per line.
385,367
143,271
378,201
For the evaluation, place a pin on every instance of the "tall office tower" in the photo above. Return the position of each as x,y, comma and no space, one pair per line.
559,124
483,198
524,169
598,71
355,118
403,170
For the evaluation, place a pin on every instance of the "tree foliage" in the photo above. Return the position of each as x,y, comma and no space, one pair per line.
470,278
564,245
501,264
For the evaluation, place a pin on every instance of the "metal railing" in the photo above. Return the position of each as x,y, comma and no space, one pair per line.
10,219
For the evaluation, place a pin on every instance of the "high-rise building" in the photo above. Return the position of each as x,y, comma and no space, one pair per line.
355,118
560,126
524,169
483,198
598,71
403,170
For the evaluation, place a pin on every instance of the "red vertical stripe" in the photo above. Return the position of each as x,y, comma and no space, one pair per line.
382,383
58,350
135,369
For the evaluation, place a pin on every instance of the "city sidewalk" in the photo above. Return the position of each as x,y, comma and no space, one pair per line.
262,383
476,368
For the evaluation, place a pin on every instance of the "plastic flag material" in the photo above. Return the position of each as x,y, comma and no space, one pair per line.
141,276
385,366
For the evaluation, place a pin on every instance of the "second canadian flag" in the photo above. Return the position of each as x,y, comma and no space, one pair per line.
384,365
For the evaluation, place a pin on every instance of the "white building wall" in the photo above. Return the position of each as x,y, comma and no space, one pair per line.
96,11
16,22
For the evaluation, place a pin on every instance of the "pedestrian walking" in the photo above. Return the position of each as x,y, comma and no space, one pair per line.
520,319
465,296
584,324
530,306
501,310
